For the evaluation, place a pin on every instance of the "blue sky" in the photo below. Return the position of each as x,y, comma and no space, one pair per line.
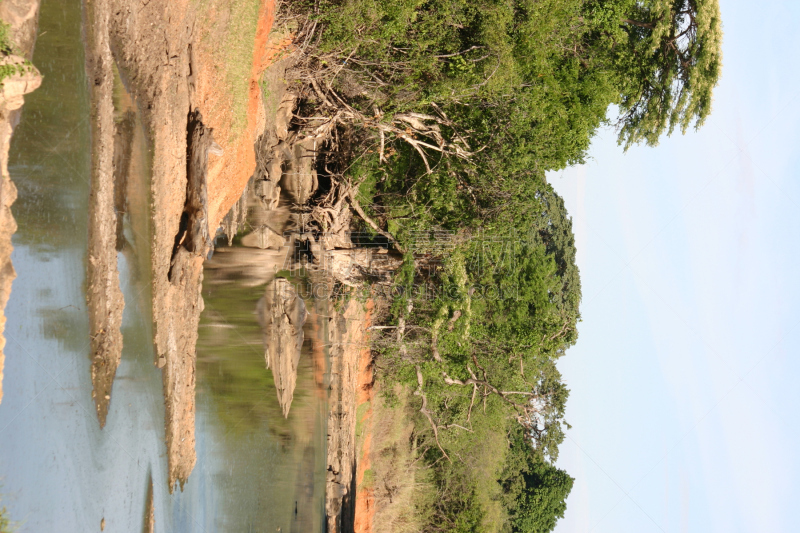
684,379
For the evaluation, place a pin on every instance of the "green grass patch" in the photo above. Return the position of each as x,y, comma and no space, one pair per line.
6,49
361,412
368,480
232,36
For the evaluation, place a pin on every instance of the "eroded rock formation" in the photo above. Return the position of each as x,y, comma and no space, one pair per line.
103,293
282,314
347,335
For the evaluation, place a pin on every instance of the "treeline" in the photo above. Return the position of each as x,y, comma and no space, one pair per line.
445,116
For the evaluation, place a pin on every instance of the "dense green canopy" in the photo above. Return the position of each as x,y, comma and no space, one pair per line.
457,109
546,69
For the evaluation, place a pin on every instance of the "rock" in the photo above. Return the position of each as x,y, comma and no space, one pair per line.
299,171
284,115
282,314
22,17
347,335
15,86
355,266
263,237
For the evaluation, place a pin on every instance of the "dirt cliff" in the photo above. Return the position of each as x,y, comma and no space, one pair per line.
172,56
348,335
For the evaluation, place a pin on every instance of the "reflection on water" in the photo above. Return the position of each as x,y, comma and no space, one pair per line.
52,139
277,474
60,471
256,470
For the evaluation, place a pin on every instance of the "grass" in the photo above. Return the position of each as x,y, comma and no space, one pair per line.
368,482
6,49
230,38
238,53
361,412
403,497
5,41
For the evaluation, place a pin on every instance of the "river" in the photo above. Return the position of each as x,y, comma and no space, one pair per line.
255,471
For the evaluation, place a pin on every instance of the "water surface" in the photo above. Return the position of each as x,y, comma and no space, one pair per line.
58,470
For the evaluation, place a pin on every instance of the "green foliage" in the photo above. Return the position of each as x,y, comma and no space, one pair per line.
402,491
668,59
7,49
5,39
535,492
6,525
492,289
535,76
503,307
498,69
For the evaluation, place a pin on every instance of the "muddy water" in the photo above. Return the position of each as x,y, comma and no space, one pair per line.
58,470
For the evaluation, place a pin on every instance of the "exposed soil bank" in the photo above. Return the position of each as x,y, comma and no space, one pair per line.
103,294
172,70
229,172
365,499
349,340
21,16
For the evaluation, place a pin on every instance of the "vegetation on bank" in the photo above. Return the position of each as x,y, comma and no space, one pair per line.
7,48
228,33
444,117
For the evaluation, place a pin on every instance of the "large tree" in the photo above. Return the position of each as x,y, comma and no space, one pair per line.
534,492
667,57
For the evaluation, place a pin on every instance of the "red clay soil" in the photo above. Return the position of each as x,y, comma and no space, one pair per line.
365,501
317,352
228,174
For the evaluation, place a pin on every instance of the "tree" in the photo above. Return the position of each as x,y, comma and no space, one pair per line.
667,57
535,492
543,499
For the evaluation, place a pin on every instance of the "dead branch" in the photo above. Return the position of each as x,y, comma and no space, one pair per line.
401,329
371,222
435,346
424,411
472,401
448,426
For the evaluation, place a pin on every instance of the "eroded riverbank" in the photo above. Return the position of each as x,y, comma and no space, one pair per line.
153,136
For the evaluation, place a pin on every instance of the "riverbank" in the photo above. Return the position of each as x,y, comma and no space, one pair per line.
168,97
235,110
177,60
349,333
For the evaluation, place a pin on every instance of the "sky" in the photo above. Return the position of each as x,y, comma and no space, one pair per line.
684,397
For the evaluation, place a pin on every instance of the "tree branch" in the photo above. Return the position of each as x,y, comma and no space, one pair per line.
424,411
371,222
